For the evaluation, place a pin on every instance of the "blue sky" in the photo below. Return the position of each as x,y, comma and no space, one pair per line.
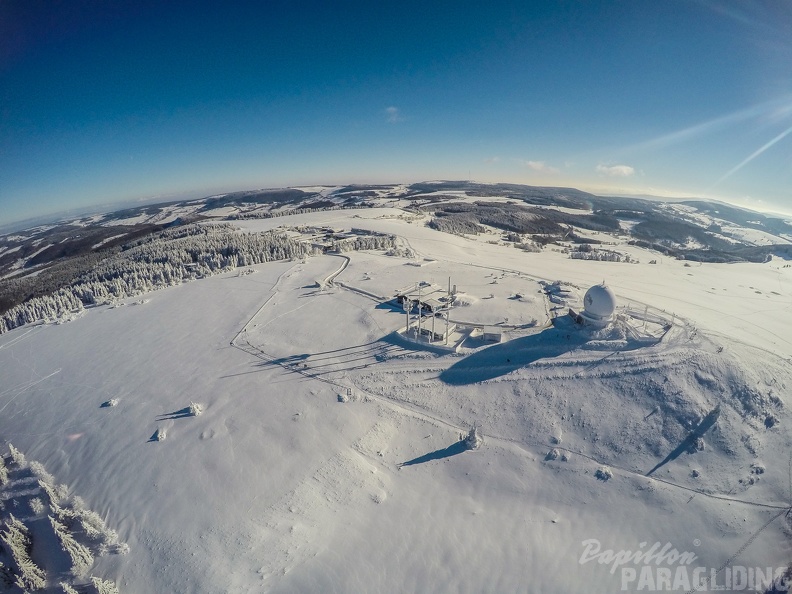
102,102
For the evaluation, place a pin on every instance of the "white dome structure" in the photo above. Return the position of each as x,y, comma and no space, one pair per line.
599,305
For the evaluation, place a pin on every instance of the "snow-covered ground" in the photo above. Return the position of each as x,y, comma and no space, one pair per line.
107,240
7,250
729,231
464,196
752,236
327,455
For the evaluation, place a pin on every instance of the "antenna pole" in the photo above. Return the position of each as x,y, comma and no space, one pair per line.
420,310
448,309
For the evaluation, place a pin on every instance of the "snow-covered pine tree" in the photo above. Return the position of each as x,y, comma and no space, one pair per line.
95,529
37,468
17,457
474,438
15,537
50,493
81,557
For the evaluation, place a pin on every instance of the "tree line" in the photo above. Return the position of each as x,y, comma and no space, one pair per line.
169,258
155,261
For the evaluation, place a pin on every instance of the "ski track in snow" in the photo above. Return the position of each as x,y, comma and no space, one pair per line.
26,387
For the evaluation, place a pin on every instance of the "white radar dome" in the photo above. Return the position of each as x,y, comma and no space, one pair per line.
599,302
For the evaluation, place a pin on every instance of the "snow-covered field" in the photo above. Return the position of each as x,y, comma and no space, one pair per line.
327,454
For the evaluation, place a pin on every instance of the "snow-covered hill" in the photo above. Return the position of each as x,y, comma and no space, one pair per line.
327,455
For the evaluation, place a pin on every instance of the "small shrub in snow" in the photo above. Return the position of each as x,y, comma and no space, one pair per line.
37,506
160,434
565,457
474,438
552,455
604,473
80,555
461,300
120,548
110,403
400,252
67,589
697,445
104,586
195,409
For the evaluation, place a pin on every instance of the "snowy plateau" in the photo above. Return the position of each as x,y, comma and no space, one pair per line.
273,427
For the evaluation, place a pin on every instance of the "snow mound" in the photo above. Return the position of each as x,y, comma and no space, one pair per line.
161,434
464,300
474,438
603,473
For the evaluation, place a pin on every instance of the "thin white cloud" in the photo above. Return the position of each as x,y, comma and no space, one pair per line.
616,170
540,166
492,159
775,109
393,114
753,155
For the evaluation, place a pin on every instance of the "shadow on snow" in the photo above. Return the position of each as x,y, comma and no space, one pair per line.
452,450
689,443
502,359
176,414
